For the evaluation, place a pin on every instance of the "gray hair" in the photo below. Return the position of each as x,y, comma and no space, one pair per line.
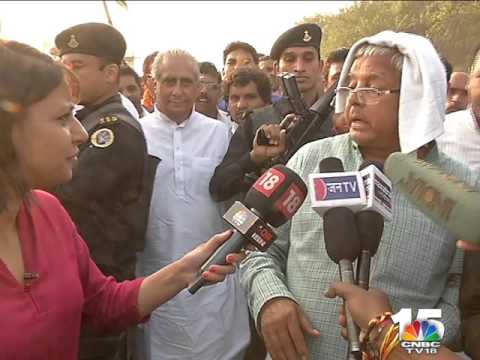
371,50
161,58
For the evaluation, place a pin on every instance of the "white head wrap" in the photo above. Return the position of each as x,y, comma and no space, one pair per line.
423,91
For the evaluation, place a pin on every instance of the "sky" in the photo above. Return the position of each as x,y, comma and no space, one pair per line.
203,28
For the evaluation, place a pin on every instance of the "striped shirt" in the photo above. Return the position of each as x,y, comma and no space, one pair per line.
417,263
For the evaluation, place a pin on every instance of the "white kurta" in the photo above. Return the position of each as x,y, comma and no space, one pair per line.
213,323
461,139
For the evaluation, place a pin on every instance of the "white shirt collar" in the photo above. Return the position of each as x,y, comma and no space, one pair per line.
172,123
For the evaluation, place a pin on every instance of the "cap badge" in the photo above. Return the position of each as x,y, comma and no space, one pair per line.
306,36
73,43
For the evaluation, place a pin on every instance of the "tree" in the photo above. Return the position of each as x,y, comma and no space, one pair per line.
452,26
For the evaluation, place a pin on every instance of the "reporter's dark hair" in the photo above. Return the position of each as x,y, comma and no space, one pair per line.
236,45
27,77
243,76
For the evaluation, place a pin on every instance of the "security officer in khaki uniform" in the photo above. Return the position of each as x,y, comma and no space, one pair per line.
109,195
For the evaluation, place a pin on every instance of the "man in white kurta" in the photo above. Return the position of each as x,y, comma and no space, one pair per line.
213,323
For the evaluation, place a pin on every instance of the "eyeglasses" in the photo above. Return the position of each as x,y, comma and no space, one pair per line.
211,86
367,96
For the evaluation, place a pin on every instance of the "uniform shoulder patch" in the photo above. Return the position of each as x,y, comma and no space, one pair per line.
102,138
108,119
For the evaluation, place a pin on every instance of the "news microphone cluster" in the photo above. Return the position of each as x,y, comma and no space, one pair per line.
351,204
272,200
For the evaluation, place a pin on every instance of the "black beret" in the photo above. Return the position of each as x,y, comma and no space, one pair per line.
300,35
96,39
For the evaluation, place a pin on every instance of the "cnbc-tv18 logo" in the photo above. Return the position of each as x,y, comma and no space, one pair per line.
423,335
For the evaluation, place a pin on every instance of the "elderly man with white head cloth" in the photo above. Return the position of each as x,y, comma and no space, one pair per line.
393,92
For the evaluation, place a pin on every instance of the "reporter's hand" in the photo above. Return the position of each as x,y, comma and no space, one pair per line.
467,246
215,273
283,325
278,144
363,304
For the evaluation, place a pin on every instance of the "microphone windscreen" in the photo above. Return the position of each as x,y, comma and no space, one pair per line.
370,230
331,164
367,163
446,200
277,195
340,233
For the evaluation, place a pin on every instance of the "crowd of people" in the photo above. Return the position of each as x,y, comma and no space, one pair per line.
113,181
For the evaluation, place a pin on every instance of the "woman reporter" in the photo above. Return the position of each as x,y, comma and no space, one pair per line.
49,285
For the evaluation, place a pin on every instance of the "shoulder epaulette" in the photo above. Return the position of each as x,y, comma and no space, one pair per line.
108,119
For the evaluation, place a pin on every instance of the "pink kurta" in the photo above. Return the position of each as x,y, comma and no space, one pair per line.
41,319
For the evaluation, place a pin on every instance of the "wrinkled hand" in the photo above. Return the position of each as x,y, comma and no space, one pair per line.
364,305
215,273
278,144
283,326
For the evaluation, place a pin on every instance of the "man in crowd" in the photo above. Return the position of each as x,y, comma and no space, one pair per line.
210,92
297,52
236,55
248,89
131,86
457,95
213,323
285,285
461,140
331,74
109,194
333,66
267,65
148,98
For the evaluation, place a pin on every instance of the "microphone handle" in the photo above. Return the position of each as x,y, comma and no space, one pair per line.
232,245
346,276
363,269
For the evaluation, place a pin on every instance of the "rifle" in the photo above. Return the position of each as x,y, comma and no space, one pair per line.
309,118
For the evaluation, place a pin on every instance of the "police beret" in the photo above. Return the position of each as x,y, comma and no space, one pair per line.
300,35
96,39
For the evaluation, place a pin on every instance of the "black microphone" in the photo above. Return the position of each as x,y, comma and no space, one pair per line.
370,230
343,247
272,200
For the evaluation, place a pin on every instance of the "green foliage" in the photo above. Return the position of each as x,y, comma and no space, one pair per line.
452,26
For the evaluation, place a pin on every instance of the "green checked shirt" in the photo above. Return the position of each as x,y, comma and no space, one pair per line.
417,263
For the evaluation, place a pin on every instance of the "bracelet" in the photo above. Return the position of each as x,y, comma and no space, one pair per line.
390,342
378,320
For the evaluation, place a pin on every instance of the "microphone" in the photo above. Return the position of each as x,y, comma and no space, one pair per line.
369,220
446,200
332,187
378,189
342,246
272,200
